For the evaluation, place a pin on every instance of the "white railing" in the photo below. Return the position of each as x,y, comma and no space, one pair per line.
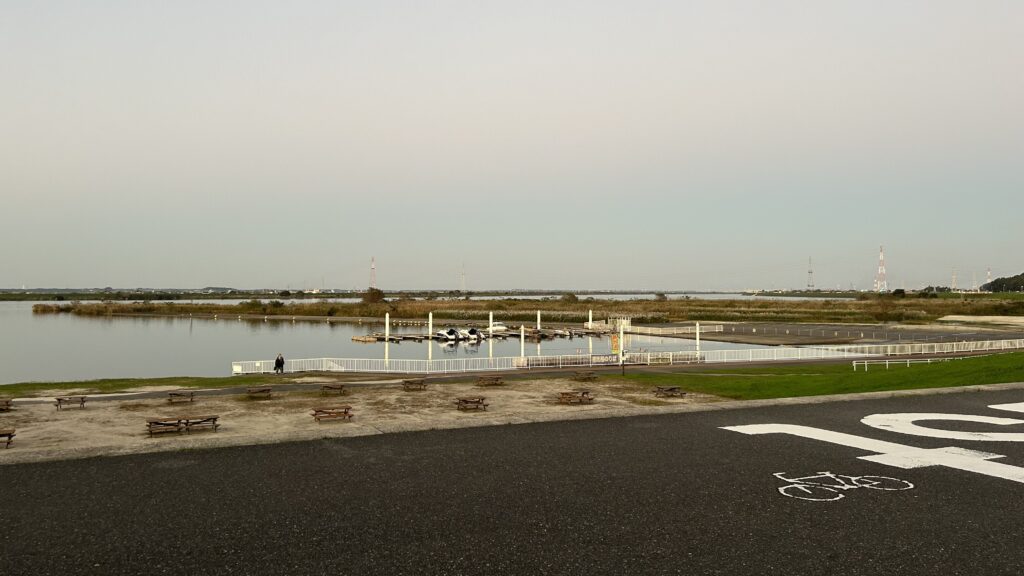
932,348
907,361
533,362
673,330
771,354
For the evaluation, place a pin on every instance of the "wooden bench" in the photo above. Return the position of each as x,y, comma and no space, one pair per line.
666,391
258,391
6,404
326,388
9,435
584,376
161,425
489,381
181,396
70,400
331,413
414,384
200,422
471,403
575,397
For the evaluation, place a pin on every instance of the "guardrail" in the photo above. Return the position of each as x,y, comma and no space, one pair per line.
672,330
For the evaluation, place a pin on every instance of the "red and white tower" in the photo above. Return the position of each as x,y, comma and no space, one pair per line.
881,285
373,272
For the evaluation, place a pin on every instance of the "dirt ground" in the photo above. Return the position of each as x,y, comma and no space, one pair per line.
118,426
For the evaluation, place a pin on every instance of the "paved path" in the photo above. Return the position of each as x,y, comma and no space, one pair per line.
671,494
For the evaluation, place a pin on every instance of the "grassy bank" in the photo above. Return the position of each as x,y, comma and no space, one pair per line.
747,383
821,379
870,310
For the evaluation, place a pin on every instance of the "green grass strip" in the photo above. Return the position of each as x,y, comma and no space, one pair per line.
821,379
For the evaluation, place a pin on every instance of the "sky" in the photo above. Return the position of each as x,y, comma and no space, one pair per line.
702,145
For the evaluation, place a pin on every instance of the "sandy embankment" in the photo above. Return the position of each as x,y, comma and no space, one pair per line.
112,427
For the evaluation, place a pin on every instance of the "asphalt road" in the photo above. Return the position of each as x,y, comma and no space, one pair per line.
673,494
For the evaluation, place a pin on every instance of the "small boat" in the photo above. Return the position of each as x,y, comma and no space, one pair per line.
471,334
449,334
499,327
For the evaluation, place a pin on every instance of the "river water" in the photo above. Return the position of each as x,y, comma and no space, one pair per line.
63,347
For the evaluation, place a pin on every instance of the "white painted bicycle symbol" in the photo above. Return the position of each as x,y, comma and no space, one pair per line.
828,486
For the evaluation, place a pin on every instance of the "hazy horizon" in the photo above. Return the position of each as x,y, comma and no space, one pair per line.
681,146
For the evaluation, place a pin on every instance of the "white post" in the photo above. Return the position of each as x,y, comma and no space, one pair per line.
622,343
590,319
522,341
430,336
387,336
538,319
697,330
490,324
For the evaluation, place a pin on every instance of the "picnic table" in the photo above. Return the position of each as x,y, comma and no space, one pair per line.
9,435
254,391
489,381
6,404
180,423
325,388
69,400
414,384
584,376
575,397
471,403
664,391
332,412
181,396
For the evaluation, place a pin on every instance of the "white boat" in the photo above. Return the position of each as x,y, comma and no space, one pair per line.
499,327
450,334
470,334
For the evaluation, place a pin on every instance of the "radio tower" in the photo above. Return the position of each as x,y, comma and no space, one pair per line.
373,272
953,287
810,274
880,283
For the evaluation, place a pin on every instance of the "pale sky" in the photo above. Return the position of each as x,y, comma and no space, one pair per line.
565,145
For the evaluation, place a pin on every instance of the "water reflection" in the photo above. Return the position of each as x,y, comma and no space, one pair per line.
65,347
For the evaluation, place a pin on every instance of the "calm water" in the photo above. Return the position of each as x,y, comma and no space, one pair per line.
60,347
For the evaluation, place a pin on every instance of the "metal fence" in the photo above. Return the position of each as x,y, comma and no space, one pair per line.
931,348
451,366
907,361
672,330
771,354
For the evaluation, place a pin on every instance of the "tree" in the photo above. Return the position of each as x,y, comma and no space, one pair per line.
373,296
570,298
660,297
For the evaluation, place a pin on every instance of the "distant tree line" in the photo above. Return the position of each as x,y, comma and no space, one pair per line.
1010,284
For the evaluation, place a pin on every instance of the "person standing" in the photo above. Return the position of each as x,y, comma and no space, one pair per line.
279,364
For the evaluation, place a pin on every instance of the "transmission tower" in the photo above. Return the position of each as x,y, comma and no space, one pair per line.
952,286
462,279
810,274
373,272
989,280
881,285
